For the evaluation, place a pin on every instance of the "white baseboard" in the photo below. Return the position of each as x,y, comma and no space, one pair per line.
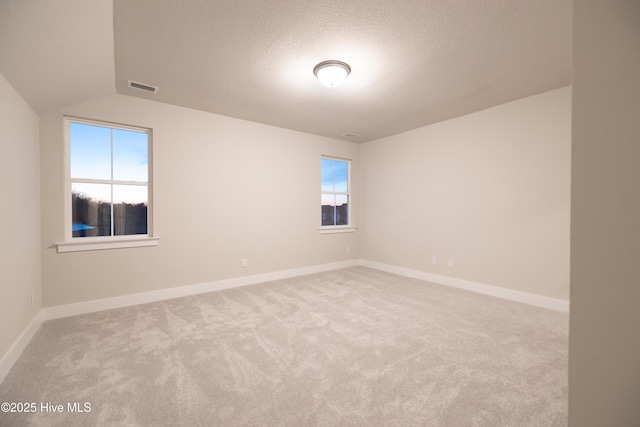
12,355
509,294
182,291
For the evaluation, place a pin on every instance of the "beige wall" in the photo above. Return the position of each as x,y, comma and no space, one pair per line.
489,190
604,337
19,216
224,189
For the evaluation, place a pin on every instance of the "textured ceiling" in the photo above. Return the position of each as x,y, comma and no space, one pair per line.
414,62
57,53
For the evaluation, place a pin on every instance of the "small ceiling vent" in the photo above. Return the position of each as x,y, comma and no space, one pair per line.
142,86
350,135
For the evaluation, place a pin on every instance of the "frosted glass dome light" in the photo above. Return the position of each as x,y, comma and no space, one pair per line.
332,73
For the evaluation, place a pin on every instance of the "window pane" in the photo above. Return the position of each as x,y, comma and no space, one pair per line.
130,156
335,174
340,175
335,209
90,148
90,210
342,211
327,174
328,209
129,209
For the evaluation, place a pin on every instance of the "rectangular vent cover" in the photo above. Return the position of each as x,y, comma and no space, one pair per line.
142,86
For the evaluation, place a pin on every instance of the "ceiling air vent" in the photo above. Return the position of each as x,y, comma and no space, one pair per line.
350,135
142,86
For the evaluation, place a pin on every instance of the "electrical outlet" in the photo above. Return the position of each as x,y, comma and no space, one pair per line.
348,249
450,263
434,260
245,263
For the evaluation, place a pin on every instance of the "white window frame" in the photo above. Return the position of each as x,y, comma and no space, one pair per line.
348,228
74,244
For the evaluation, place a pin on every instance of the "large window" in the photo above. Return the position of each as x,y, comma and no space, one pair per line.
109,180
335,192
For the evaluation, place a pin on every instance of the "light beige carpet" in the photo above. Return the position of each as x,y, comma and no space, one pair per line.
351,347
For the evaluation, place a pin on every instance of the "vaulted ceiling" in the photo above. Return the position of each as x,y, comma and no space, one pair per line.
414,62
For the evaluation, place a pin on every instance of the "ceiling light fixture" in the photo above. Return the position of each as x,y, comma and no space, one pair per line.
332,73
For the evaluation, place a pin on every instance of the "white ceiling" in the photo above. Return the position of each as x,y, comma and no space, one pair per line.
414,62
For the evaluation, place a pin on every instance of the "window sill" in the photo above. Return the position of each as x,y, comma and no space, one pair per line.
96,244
337,229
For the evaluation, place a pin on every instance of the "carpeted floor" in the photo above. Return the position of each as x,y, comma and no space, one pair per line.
351,347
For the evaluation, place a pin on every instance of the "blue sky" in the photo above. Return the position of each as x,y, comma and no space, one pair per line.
335,174
91,153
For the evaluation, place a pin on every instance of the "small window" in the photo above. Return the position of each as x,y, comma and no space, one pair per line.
335,192
109,172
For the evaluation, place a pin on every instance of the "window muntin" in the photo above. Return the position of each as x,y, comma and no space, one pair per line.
109,173
335,184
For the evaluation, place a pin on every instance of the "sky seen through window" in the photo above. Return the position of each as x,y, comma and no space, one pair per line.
102,153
